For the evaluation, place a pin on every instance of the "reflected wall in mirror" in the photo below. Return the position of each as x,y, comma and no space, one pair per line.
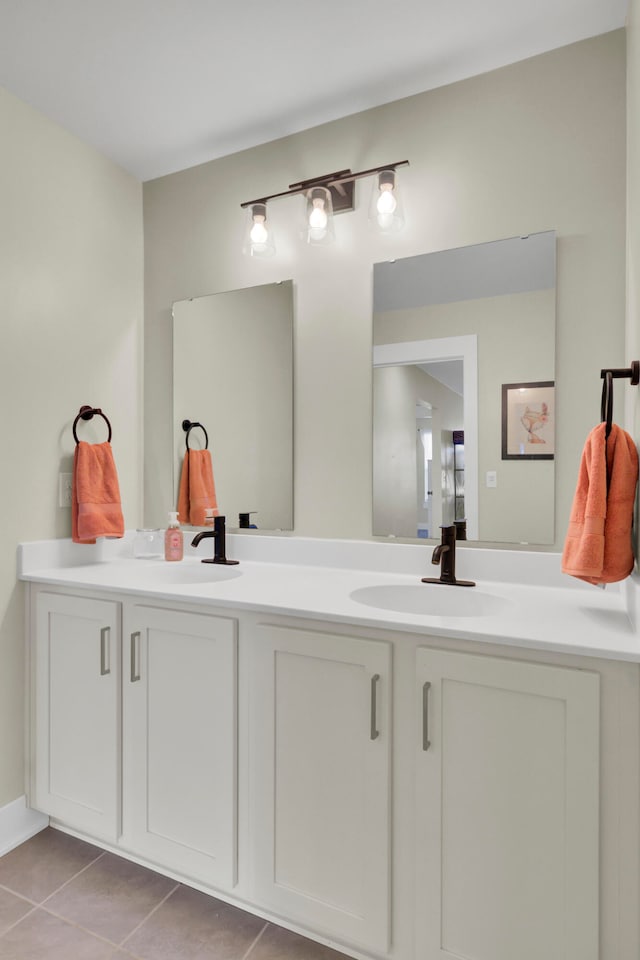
233,373
449,329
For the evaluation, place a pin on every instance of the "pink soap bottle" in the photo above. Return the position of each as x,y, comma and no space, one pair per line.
173,539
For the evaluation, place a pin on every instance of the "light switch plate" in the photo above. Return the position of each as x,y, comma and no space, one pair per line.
64,489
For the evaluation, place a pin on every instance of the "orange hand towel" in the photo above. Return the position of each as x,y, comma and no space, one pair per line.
197,488
598,546
95,500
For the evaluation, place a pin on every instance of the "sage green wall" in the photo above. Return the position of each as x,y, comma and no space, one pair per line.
71,285
535,146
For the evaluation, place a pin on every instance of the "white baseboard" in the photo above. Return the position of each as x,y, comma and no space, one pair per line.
18,822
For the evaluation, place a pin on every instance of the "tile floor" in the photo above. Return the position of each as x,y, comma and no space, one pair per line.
64,899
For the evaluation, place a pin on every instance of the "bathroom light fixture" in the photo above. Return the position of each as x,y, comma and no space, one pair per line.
318,222
385,209
259,241
323,197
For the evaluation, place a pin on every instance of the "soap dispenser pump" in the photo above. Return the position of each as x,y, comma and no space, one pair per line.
173,539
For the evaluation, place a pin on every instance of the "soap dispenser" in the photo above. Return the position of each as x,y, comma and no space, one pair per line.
173,539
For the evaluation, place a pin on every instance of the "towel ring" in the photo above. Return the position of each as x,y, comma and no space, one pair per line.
188,426
87,413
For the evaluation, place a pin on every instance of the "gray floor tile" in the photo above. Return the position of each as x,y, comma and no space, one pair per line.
192,926
111,897
42,864
276,943
12,908
43,937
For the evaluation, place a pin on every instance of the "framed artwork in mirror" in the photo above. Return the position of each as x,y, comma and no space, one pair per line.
528,420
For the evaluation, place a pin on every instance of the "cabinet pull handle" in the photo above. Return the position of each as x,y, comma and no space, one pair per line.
426,743
375,733
135,646
105,651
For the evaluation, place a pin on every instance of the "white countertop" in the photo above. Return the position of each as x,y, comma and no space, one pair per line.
539,609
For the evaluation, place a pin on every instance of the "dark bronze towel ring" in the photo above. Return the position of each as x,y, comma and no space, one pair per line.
86,413
188,425
631,373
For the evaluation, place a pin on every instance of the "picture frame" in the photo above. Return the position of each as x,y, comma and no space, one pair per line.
528,420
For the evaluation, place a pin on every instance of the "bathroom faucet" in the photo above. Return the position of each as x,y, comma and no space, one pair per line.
220,537
445,555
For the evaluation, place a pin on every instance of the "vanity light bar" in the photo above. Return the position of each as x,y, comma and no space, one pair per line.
324,196
340,183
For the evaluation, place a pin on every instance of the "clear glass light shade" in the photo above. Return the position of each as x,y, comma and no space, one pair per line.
259,241
385,210
318,222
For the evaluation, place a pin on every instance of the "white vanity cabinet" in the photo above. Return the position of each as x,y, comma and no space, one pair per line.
393,794
179,743
507,787
76,701
320,738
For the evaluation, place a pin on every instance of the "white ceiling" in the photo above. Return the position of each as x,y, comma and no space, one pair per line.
161,85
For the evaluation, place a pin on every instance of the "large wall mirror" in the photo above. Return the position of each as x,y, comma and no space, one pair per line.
463,392
233,373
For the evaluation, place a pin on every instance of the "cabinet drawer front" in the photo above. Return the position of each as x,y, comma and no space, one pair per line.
320,738
507,760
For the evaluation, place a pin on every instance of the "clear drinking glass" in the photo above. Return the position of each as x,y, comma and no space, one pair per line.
148,542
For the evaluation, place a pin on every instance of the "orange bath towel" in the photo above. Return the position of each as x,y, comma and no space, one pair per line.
95,499
598,546
197,488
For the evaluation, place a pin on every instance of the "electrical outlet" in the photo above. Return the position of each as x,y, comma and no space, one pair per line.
64,489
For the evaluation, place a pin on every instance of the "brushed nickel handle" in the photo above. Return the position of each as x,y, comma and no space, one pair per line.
135,646
426,743
105,651
375,733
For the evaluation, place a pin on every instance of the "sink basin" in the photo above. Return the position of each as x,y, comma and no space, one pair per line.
183,573
431,600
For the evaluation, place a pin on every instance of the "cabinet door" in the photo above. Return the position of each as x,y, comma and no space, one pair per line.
319,780
77,712
507,809
179,742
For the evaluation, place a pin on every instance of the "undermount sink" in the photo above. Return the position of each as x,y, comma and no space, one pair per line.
431,600
184,572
